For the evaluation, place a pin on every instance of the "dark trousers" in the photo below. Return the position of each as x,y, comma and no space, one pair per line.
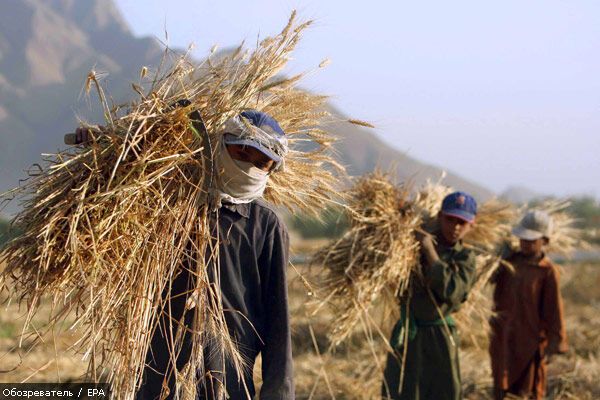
431,370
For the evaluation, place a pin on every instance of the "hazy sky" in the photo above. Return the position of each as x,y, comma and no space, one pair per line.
503,93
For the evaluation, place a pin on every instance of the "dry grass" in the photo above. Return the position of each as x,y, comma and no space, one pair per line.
108,227
351,372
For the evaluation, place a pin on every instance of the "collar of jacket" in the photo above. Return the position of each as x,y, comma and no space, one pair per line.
242,208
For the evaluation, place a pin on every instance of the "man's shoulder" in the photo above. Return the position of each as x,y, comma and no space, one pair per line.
262,206
266,210
550,269
546,262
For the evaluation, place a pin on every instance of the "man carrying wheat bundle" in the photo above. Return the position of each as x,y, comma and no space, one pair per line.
425,364
250,273
155,235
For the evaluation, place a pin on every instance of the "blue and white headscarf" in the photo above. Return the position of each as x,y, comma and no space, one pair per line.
259,130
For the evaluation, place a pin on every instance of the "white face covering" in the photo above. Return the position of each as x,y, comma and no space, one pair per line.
238,181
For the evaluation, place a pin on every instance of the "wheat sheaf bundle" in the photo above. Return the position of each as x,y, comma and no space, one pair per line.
107,228
376,255
376,258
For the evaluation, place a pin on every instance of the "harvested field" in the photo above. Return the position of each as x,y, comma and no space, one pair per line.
352,372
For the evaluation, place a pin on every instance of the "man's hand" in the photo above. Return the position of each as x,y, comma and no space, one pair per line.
81,136
427,246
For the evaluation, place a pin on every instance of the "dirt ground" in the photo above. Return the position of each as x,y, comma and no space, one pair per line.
353,371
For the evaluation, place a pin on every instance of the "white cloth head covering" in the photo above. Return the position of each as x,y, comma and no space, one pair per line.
237,181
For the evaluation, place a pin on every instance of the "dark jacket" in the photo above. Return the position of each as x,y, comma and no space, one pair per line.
253,257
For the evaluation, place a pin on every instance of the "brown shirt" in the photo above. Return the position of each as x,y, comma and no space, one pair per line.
529,317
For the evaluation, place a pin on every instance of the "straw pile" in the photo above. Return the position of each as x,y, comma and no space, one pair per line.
108,227
493,225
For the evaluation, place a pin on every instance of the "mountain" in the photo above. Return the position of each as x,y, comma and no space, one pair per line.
46,50
48,47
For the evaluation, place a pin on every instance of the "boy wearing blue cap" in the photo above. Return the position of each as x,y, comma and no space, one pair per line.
250,271
425,340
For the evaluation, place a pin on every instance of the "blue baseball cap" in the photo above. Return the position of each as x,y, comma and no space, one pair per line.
265,134
460,205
